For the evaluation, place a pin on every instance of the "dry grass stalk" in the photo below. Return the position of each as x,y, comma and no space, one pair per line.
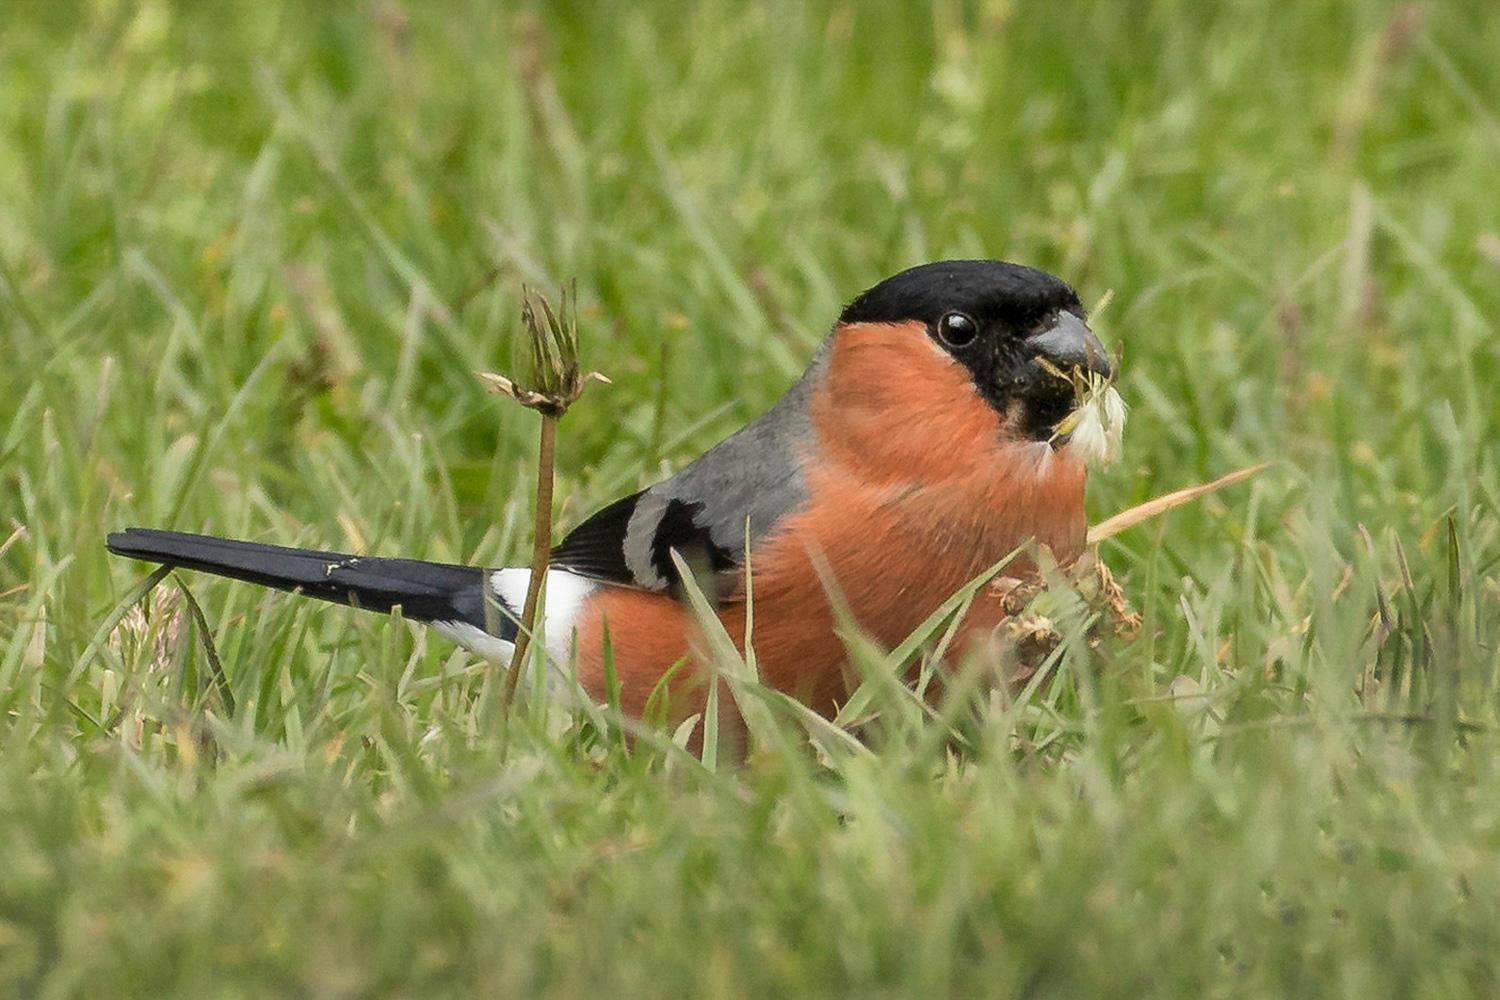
556,381
1160,505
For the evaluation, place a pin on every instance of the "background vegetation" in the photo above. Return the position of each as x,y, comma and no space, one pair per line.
250,254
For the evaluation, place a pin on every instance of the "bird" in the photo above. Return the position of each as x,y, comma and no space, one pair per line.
920,446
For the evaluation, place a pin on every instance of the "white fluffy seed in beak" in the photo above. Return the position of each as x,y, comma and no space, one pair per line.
1097,426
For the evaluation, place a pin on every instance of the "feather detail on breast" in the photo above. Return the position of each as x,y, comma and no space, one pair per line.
899,416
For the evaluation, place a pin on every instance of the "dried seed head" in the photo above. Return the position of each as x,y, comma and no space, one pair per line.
556,378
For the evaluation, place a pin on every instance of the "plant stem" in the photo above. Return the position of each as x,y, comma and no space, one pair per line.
541,552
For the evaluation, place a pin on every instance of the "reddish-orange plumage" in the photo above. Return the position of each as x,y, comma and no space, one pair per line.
916,486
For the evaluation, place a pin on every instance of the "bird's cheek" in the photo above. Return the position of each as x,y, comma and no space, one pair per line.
1014,420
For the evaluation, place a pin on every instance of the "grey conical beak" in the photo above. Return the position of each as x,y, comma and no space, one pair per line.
1069,343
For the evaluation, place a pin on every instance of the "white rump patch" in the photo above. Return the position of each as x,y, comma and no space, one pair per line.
565,595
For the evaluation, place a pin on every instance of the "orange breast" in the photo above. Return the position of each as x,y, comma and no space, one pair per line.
917,486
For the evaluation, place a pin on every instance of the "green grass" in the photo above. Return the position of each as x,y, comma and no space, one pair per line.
249,258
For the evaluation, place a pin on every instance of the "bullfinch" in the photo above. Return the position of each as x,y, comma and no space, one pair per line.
920,447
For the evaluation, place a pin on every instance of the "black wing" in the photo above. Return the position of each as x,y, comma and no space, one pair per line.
617,546
751,479
596,548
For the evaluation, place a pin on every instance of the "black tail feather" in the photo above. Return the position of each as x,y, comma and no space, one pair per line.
425,591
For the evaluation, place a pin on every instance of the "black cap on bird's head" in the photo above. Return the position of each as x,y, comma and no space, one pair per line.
1018,331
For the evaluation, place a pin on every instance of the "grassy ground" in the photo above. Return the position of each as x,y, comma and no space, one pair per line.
248,258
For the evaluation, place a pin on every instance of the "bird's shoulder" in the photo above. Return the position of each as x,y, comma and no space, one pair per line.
731,496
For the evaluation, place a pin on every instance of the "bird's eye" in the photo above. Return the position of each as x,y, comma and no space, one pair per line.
957,329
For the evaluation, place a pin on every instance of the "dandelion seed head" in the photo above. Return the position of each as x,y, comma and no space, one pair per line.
1096,427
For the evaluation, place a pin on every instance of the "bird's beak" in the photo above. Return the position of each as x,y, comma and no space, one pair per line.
1069,343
